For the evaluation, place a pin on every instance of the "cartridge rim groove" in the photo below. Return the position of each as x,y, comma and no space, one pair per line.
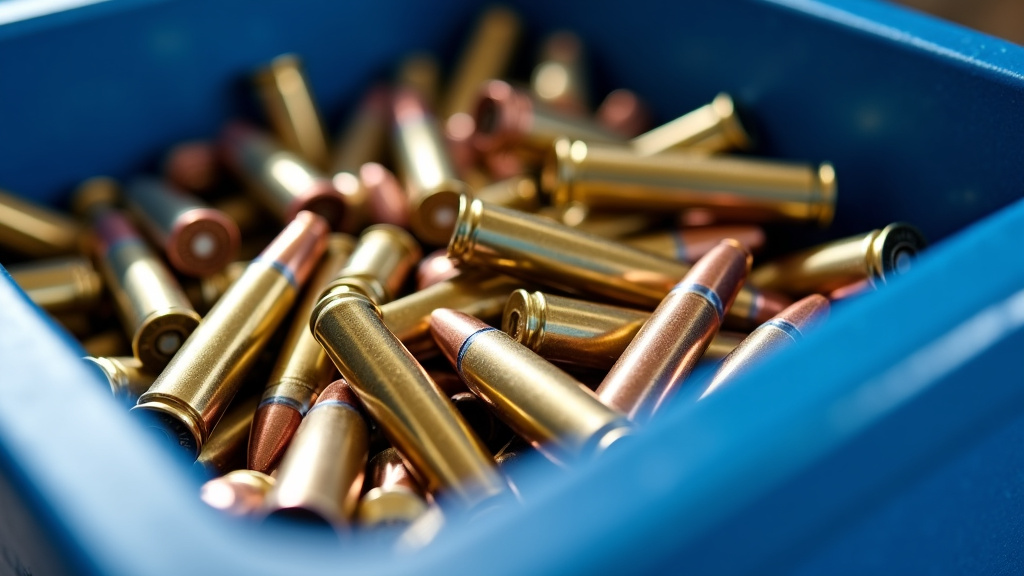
463,240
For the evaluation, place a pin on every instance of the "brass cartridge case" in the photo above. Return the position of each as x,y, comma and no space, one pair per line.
426,168
190,395
624,113
291,110
198,240
361,139
302,369
560,77
537,249
508,117
611,225
518,193
582,333
740,189
225,450
394,497
689,244
417,419
282,181
673,340
379,263
153,308
421,72
238,493
544,405
192,166
36,231
206,291
875,257
435,267
486,55
321,474
712,128
125,376
59,285
788,327
479,293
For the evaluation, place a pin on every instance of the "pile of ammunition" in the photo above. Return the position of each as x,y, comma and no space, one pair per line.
608,253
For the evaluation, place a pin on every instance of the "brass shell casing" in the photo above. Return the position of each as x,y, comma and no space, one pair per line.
478,293
560,77
518,193
225,450
59,285
192,393
614,177
398,394
673,340
379,263
543,404
153,308
582,333
206,291
874,257
427,170
394,496
125,376
290,108
714,127
689,244
238,493
421,72
361,139
321,473
611,225
541,250
37,231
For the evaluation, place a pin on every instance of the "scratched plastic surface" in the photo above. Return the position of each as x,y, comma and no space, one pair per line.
846,443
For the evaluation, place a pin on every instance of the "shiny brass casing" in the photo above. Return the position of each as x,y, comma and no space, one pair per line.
379,263
560,77
518,193
426,168
478,293
486,54
689,244
394,497
225,450
57,285
398,394
206,291
37,231
874,257
361,139
611,225
125,376
421,72
615,177
290,108
714,127
321,473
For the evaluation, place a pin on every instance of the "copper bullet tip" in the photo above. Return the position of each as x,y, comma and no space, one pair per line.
451,328
239,493
721,270
387,199
807,313
499,113
273,426
192,166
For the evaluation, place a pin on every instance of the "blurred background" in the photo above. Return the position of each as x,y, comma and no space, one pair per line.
1002,18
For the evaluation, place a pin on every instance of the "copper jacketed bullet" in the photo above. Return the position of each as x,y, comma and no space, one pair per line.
125,376
238,493
788,327
225,450
740,189
689,244
426,168
361,139
281,180
671,343
57,285
192,166
36,231
398,394
624,113
153,308
476,292
321,474
579,332
290,108
394,497
386,200
544,405
560,77
508,117
435,267
540,250
302,369
190,395
198,240
712,128
875,257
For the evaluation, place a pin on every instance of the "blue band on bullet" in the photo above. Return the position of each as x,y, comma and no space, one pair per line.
788,327
288,275
680,246
333,403
707,293
465,346
125,242
283,400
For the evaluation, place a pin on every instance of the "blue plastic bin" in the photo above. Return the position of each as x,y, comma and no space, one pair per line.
887,442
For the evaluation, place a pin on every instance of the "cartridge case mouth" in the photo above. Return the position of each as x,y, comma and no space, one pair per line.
178,422
395,505
559,170
334,295
499,117
161,334
321,198
463,239
202,242
892,251
524,318
433,218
